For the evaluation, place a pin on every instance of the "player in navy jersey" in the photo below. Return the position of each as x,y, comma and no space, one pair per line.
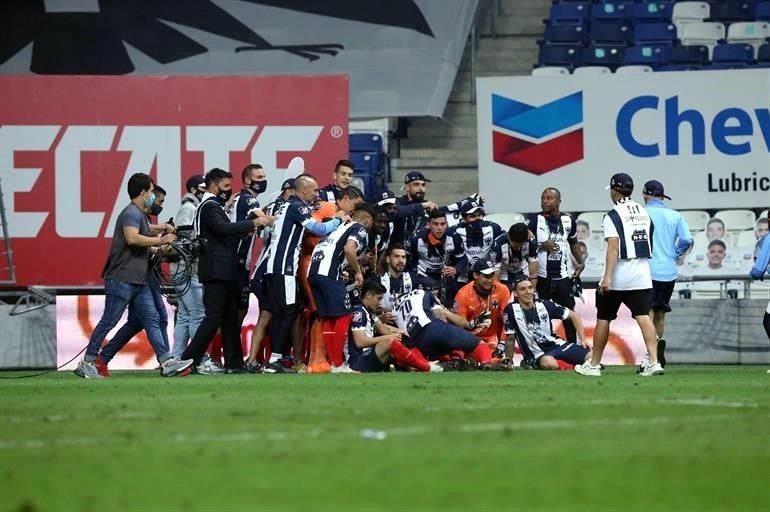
279,284
556,237
477,235
517,255
396,281
528,323
343,178
336,253
437,257
372,344
436,331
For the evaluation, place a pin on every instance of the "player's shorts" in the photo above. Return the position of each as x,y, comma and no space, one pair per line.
571,353
608,303
278,292
439,339
330,296
368,363
661,295
242,282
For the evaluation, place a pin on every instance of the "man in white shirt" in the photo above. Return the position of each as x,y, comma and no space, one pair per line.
628,231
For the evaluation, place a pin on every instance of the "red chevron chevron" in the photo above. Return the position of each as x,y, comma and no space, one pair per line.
537,158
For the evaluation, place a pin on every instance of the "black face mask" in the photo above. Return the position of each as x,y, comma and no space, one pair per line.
155,209
258,186
199,194
224,196
475,226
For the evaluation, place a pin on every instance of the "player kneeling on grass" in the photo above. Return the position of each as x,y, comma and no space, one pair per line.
372,344
528,322
436,331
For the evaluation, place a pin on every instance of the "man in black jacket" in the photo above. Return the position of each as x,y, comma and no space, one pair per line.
217,270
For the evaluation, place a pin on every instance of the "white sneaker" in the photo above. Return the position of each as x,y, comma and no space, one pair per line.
588,370
209,367
87,370
344,368
650,370
435,368
644,364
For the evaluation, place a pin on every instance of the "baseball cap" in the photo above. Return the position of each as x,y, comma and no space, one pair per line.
196,181
387,197
287,184
415,176
471,207
485,267
654,188
620,181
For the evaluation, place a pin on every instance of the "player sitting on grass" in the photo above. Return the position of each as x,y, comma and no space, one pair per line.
371,343
528,322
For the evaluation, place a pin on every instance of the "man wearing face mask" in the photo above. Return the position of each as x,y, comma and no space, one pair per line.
477,235
254,182
217,270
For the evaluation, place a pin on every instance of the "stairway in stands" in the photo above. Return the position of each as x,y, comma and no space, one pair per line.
445,149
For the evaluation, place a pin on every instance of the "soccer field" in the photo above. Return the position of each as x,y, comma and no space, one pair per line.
694,439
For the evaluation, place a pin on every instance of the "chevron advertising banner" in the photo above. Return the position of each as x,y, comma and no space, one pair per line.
705,135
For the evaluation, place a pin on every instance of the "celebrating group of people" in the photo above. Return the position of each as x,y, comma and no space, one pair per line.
348,286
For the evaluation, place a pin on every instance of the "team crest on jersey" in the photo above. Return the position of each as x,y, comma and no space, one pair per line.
304,210
362,232
495,304
358,317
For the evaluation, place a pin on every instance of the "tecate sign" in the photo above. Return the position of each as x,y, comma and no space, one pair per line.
705,135
68,146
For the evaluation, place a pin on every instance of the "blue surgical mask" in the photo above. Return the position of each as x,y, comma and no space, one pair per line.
150,200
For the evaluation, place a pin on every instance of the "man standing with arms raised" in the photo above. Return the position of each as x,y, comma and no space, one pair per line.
629,234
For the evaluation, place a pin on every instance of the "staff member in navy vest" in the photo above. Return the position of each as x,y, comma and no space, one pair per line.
629,234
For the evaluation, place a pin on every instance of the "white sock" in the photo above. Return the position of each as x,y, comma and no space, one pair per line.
274,358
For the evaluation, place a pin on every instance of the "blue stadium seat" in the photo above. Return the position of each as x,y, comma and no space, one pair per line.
367,163
570,35
569,14
366,142
731,11
564,56
762,11
655,33
610,56
686,57
733,55
653,56
652,11
610,11
611,32
763,55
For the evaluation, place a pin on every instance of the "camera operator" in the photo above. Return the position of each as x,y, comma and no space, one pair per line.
217,270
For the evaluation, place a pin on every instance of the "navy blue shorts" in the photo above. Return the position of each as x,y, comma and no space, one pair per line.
242,282
368,363
439,339
571,353
331,297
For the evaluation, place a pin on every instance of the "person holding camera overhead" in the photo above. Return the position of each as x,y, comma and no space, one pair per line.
217,270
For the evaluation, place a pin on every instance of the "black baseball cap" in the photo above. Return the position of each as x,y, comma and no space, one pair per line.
196,181
415,176
287,184
484,266
471,207
387,197
621,182
654,188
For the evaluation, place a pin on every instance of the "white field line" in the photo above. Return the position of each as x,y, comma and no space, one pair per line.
414,430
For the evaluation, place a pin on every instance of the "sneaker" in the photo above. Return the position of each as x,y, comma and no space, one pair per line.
643,365
101,367
588,370
504,365
662,352
87,370
276,367
437,368
653,369
254,367
343,368
299,368
174,367
236,371
208,367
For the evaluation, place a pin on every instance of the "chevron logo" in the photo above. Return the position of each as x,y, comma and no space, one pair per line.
540,139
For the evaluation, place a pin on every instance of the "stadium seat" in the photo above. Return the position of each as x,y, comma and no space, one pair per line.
367,163
689,12
732,55
569,14
366,142
737,220
602,55
631,69
564,56
594,219
505,220
706,34
686,57
651,11
592,70
570,35
729,12
696,219
611,33
656,34
653,56
763,54
610,11
762,11
753,32
550,71
746,239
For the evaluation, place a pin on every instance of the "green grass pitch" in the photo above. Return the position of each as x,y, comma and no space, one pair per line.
696,439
